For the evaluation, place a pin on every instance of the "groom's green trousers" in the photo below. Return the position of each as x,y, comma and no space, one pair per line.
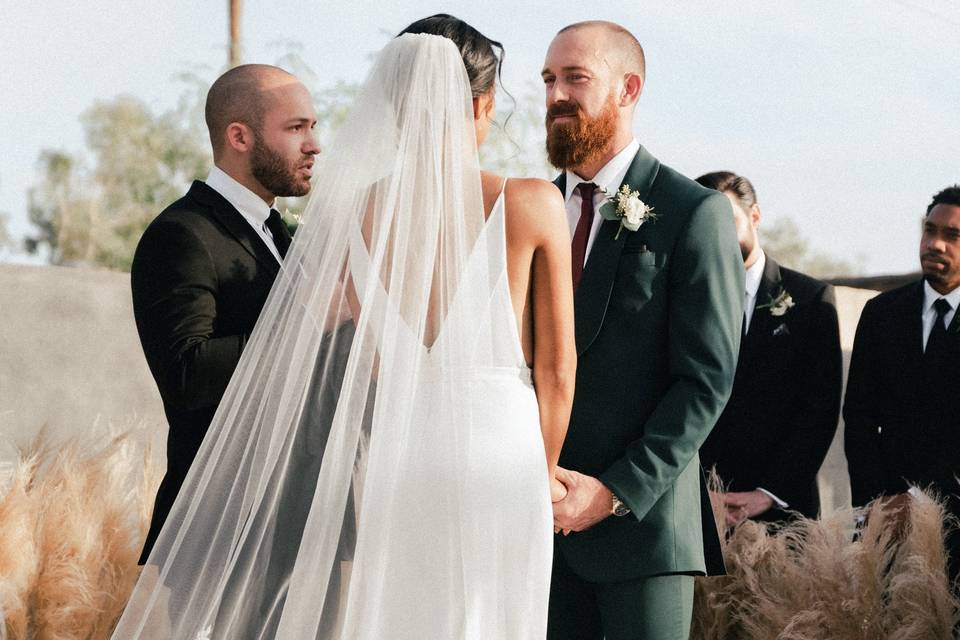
651,608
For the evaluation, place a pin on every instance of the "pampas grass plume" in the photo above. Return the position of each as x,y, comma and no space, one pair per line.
72,522
812,580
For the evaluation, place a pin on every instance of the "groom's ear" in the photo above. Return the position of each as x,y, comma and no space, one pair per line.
632,88
239,137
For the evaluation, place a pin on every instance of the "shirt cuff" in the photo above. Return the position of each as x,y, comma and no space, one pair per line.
780,503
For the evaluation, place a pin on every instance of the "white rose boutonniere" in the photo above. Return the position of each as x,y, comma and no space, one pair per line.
779,304
627,207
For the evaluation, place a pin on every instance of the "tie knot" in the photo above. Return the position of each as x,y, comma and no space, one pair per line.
586,190
274,216
942,307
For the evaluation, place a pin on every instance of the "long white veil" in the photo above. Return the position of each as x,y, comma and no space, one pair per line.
337,465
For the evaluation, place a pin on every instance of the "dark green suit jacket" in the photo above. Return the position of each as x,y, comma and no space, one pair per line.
658,317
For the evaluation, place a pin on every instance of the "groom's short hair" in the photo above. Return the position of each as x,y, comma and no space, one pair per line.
238,96
626,43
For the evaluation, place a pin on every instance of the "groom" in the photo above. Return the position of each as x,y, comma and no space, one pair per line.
204,266
658,313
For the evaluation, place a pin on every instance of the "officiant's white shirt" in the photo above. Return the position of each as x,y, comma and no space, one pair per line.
609,177
251,206
930,314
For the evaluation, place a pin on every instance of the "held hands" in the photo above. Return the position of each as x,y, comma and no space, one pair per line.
587,502
558,490
739,505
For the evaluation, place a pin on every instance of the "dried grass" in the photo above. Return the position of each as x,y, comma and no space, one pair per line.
72,521
809,580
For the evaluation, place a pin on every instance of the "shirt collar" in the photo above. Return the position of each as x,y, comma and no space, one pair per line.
930,296
755,275
611,176
245,201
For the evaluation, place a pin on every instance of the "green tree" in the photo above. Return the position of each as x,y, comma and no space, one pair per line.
784,241
142,163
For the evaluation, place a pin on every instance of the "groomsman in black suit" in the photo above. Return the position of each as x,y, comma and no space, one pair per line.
903,391
775,431
204,266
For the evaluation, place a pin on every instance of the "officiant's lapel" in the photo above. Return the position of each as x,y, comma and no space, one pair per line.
239,228
600,270
763,322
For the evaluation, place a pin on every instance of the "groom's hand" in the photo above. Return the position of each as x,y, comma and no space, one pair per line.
588,501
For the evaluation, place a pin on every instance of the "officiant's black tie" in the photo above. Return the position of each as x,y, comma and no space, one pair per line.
280,233
582,233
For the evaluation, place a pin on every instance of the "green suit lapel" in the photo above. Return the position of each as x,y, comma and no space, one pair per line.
599,273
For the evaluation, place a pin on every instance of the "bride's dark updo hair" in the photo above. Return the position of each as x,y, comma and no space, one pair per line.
477,50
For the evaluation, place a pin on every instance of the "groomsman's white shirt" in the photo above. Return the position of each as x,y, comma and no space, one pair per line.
251,206
609,178
930,314
754,276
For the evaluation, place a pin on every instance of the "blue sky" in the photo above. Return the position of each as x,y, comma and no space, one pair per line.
846,116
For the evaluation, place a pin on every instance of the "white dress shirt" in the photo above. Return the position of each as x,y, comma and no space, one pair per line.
609,177
753,277
251,206
930,314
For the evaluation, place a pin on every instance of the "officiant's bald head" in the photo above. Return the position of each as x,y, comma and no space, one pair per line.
261,122
242,94
620,46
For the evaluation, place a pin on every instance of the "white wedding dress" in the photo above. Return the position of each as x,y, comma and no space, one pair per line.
376,468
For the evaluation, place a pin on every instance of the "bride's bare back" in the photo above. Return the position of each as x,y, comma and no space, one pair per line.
539,271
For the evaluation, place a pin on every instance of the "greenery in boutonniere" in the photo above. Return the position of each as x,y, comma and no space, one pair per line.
292,220
779,304
626,206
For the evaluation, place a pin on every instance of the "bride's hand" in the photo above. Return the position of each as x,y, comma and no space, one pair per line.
558,490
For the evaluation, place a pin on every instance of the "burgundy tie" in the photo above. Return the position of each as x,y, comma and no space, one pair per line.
582,233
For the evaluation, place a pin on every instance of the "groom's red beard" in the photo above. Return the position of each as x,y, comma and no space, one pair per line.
572,144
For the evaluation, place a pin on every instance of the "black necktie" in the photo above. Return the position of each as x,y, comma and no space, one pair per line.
938,334
281,236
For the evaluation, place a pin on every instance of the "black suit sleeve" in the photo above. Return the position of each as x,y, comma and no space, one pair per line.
811,420
174,284
861,439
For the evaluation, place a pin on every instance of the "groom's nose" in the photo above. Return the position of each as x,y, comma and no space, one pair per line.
557,92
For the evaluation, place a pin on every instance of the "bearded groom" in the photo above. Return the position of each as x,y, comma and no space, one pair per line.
658,304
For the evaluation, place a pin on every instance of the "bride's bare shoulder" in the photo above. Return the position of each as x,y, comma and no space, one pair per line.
533,205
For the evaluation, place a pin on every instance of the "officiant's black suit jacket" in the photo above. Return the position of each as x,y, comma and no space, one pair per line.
781,417
199,279
899,427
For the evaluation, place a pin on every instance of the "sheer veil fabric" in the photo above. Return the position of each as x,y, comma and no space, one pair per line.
375,469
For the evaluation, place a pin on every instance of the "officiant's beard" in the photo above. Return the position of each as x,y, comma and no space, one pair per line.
574,144
275,173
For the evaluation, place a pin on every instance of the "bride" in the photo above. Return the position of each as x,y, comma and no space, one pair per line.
382,463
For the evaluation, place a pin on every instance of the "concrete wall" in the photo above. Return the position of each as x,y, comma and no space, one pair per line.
70,359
